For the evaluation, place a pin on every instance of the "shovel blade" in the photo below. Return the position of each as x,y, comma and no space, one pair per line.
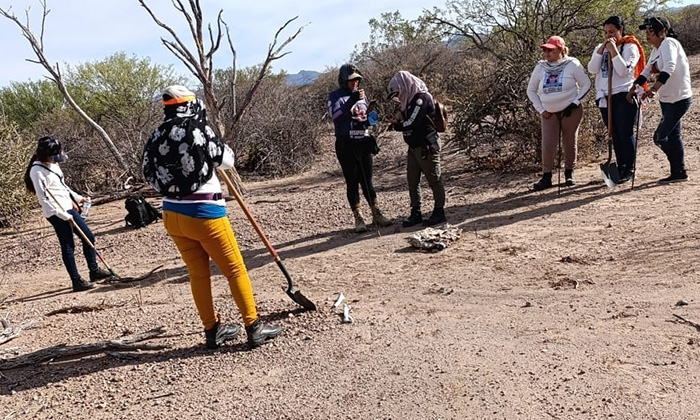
610,174
301,300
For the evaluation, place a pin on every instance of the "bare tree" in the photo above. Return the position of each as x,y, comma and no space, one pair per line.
55,75
199,63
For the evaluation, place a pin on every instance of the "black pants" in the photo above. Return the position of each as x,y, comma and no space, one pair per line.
624,115
355,158
64,231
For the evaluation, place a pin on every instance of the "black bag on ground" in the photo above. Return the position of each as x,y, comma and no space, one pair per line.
140,212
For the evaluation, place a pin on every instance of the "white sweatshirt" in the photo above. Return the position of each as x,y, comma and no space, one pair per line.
52,179
553,92
623,64
670,58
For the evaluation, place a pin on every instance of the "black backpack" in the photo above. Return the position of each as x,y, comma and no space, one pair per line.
140,212
440,122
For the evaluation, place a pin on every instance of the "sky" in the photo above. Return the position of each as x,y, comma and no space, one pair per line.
79,31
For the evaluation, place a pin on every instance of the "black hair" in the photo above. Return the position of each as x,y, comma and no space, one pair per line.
28,179
617,22
657,24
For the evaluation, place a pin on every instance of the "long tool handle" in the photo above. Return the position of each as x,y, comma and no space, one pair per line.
610,77
255,224
83,236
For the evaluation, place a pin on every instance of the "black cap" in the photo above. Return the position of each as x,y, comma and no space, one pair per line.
656,23
49,147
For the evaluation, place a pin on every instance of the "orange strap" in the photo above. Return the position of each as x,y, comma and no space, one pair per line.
175,101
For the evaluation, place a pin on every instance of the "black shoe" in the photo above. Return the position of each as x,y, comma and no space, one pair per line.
415,218
81,286
219,334
544,183
259,333
437,217
675,177
624,177
99,275
569,177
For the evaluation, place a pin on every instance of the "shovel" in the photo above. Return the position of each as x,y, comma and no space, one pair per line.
609,169
295,295
85,238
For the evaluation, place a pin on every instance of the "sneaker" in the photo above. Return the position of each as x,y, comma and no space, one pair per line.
437,217
544,183
624,177
219,334
675,177
81,286
99,274
569,177
259,333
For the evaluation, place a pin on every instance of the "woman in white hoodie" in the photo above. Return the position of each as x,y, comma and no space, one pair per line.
669,65
557,85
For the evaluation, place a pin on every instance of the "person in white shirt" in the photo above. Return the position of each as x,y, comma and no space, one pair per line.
557,85
627,57
59,204
669,65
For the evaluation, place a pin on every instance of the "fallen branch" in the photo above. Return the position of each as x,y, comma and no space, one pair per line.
10,332
64,352
132,279
79,309
689,322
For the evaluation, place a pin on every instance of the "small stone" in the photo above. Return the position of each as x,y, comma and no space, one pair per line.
681,303
527,305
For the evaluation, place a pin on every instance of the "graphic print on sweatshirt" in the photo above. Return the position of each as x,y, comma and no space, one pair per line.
553,82
604,66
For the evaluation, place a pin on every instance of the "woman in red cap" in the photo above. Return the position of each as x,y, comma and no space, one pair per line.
557,86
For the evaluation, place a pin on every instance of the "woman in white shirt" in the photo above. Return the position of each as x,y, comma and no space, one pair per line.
669,65
59,202
627,57
557,86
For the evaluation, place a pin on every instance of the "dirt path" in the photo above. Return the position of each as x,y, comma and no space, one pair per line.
550,306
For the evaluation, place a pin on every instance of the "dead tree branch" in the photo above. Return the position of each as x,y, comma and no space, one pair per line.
10,332
55,76
64,352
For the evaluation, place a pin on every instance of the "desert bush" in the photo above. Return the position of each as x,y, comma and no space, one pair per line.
686,23
17,149
279,133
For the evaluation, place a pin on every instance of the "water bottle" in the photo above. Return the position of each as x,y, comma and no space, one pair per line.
86,208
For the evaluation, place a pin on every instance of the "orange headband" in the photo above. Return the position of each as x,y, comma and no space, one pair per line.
175,101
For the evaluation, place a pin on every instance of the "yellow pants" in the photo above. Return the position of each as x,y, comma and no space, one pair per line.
199,239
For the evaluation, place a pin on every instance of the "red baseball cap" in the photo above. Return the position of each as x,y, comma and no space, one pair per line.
554,42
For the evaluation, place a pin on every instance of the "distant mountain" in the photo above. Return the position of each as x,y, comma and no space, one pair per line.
304,77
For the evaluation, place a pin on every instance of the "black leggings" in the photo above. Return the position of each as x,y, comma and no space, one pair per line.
356,161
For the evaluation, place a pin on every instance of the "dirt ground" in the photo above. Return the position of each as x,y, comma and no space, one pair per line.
549,307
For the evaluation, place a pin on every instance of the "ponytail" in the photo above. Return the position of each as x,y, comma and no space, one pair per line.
28,179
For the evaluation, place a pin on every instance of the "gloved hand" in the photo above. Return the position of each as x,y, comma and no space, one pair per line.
434,148
567,111
394,125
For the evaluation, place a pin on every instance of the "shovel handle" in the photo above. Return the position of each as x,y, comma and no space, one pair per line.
83,236
250,217
610,76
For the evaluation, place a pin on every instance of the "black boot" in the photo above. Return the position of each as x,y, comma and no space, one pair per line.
81,285
544,183
99,274
219,334
569,177
437,217
415,218
259,333
675,177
